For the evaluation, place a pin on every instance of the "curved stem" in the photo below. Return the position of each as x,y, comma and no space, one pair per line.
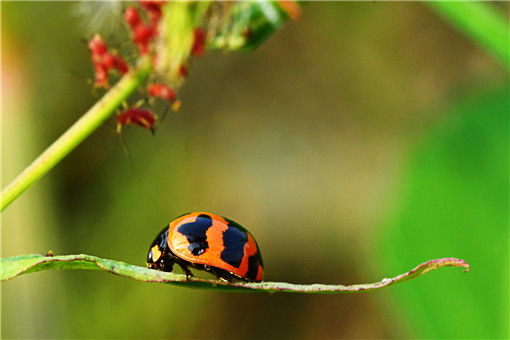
87,124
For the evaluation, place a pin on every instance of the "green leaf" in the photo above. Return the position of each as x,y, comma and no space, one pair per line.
15,266
456,188
250,23
480,21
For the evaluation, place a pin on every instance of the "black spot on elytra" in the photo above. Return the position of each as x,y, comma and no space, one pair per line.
195,234
253,267
234,241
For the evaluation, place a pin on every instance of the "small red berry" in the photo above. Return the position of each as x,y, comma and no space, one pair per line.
97,46
132,17
183,70
119,64
142,34
162,91
136,116
198,48
101,79
154,11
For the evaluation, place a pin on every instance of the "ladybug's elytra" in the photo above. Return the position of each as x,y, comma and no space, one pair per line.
207,242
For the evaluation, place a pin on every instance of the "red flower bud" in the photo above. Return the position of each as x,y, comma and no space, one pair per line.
136,116
198,48
162,91
132,17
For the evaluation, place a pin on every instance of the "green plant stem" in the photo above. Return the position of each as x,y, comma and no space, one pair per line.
12,267
481,22
87,124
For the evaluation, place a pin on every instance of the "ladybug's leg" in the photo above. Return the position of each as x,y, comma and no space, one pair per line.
181,263
184,267
166,262
221,274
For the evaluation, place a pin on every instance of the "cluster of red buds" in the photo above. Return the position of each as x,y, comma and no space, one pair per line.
145,118
144,31
104,61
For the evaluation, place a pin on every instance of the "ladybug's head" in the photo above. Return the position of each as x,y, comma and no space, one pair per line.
158,255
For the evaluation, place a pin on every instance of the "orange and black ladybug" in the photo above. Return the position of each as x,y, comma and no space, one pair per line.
207,242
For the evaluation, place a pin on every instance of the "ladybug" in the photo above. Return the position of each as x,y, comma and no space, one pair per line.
207,242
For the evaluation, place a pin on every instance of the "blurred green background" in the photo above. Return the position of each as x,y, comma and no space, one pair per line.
354,144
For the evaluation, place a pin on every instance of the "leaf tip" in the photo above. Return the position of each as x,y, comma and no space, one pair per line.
462,264
466,267
451,261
